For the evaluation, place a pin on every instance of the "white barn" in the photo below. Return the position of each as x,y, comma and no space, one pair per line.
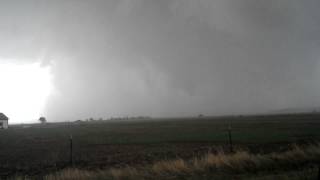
3,121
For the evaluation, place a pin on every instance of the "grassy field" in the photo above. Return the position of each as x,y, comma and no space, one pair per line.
41,149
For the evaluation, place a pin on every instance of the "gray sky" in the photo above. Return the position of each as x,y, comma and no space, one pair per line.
168,57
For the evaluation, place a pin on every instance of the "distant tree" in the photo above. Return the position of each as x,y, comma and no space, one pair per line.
78,121
42,120
200,115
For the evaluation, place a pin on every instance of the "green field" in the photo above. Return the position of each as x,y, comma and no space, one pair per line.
41,149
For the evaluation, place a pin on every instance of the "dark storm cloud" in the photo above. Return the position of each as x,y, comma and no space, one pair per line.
169,58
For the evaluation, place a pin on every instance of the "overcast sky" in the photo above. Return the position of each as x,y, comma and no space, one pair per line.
168,57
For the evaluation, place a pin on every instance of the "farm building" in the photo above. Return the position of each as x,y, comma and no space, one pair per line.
3,121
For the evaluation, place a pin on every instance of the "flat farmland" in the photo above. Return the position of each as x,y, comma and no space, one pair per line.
40,149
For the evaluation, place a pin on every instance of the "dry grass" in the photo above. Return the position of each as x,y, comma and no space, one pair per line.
237,163
307,174
221,161
241,161
71,174
125,173
178,166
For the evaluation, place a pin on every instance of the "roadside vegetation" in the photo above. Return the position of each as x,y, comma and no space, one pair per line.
296,163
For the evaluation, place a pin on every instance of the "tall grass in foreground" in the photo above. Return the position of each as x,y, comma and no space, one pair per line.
218,166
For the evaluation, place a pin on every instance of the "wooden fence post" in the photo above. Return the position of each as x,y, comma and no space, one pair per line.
230,139
71,151
318,171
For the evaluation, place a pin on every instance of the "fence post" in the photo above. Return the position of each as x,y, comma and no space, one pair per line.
230,139
71,151
318,171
